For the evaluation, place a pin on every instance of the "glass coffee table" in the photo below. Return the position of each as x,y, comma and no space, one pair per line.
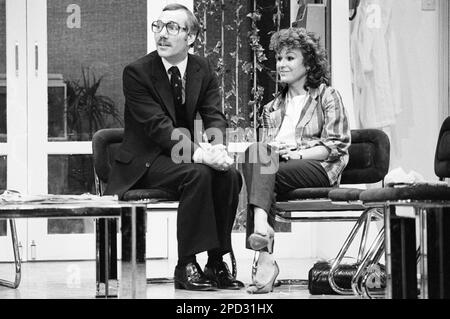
107,212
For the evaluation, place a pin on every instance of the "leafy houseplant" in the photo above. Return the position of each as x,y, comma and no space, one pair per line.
87,111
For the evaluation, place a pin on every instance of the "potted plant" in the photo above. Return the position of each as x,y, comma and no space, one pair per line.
87,110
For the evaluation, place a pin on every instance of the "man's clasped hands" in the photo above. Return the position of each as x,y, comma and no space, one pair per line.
215,156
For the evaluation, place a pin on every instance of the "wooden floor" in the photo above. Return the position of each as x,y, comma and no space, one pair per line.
76,280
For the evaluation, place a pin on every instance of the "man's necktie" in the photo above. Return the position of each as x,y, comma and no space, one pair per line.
177,89
177,86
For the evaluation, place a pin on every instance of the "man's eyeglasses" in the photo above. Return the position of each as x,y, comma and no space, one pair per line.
172,28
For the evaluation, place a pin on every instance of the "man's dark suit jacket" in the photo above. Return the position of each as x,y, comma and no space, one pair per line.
150,115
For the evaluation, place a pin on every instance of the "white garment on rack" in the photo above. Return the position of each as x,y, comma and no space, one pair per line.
376,77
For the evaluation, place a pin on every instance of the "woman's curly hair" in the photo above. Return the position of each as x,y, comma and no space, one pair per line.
314,56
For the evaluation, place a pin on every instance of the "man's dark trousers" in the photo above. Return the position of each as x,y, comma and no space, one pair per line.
207,204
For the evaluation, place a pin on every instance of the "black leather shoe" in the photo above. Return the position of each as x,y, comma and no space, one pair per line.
220,274
191,277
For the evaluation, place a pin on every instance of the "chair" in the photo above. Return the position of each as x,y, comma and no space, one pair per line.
428,204
104,144
368,163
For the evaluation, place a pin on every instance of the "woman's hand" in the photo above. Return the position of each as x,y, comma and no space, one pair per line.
288,154
282,146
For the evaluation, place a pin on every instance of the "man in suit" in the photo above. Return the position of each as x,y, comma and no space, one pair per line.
163,92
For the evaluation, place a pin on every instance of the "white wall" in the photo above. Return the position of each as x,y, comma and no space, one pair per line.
340,56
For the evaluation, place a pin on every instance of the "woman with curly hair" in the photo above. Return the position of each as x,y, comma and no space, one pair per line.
305,143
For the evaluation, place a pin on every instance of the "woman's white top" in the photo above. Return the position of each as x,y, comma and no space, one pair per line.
294,106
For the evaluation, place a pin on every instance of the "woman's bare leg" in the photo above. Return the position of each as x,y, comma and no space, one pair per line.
261,223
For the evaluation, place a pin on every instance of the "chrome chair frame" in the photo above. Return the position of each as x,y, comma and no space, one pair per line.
365,257
372,258
17,261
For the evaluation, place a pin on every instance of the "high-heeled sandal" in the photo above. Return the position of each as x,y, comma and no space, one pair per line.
258,241
262,288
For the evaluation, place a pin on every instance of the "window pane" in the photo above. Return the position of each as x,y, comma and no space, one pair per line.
89,44
71,175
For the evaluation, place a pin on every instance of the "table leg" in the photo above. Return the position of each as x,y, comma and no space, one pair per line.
400,256
437,234
422,257
133,279
106,258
